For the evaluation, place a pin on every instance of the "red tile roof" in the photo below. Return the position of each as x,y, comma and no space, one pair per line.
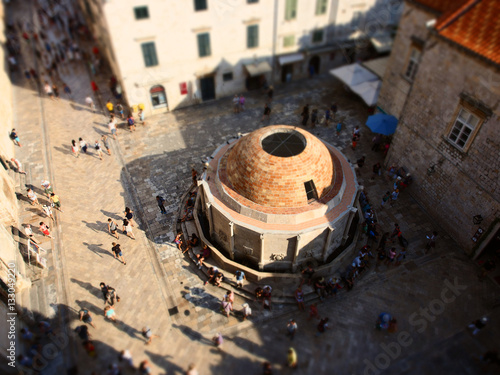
472,24
475,26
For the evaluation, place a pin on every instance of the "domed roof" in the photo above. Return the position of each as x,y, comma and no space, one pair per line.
280,166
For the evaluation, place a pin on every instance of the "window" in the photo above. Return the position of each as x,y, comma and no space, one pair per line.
141,13
252,1
317,36
463,128
321,7
200,5
227,77
204,45
289,41
252,36
290,10
149,53
158,98
412,66
310,190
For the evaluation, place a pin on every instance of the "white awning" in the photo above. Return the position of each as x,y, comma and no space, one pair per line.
382,42
353,74
360,81
289,59
368,91
256,69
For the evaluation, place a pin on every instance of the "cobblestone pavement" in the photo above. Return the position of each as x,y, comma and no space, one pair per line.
160,288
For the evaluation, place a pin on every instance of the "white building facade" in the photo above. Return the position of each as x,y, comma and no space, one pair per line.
168,54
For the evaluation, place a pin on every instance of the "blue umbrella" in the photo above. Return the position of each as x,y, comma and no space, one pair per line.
382,123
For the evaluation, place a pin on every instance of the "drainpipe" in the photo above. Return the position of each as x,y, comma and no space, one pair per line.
275,33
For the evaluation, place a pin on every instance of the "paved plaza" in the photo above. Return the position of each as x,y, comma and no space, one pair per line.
434,296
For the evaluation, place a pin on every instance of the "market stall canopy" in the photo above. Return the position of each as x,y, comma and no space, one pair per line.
377,66
256,69
382,123
289,59
353,74
368,91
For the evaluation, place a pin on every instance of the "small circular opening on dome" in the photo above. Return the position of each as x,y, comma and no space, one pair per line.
284,143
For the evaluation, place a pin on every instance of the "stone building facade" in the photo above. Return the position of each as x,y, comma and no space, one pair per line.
170,54
443,84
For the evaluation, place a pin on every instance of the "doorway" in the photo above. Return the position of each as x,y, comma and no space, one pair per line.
207,86
286,73
314,64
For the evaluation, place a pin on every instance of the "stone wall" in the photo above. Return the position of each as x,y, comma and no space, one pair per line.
396,87
461,184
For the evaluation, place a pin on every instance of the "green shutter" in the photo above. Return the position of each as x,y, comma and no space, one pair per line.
204,45
149,54
290,9
252,36
321,7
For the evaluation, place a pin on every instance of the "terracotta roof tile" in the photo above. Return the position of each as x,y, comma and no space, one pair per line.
441,6
475,26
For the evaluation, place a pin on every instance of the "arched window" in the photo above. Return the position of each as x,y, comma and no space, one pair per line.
158,97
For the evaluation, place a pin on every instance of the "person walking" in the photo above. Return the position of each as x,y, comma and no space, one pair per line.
67,90
327,117
90,103
131,123
129,215
339,128
85,316
148,335
44,228
431,242
119,109
267,113
322,326
127,229
218,340
291,358
54,199
236,104
83,145
29,232
47,210
75,149
242,103
48,90
56,91
226,305
104,140
160,201
104,291
109,313
18,165
141,116
291,328
112,127
32,197
47,188
113,228
333,109
126,357
305,115
246,311
299,297
110,107
97,147
314,118
117,253
15,137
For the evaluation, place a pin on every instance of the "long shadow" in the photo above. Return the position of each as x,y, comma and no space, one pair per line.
111,215
193,335
64,150
79,107
88,286
164,363
200,298
101,131
97,249
97,227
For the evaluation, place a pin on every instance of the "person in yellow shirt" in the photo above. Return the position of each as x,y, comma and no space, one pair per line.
54,199
109,106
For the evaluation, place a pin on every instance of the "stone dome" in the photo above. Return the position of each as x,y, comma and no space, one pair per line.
281,166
